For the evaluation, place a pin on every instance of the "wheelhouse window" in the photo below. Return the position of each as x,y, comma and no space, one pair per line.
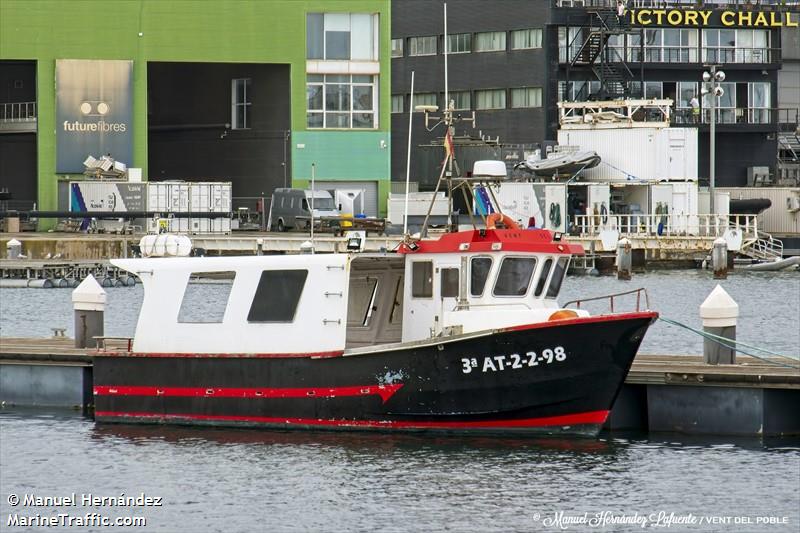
341,101
449,282
514,277
543,277
206,297
422,279
478,274
277,296
558,278
240,103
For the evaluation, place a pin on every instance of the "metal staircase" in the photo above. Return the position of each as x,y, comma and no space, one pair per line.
607,64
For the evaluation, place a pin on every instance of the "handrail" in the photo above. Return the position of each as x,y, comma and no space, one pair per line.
611,297
664,225
17,111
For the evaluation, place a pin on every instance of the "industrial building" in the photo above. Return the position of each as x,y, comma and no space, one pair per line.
511,61
255,93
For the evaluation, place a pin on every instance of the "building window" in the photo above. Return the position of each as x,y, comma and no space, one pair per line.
758,102
570,41
652,89
578,91
342,36
341,101
277,296
240,103
398,103
491,41
726,105
397,47
686,90
526,97
736,46
422,46
459,43
425,99
461,100
490,99
523,39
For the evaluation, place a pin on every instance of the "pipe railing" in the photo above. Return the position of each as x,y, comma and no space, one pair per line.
18,112
610,298
658,225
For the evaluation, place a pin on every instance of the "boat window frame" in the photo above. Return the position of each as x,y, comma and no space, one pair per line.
537,292
261,287
533,258
209,273
426,285
442,283
369,311
488,275
567,259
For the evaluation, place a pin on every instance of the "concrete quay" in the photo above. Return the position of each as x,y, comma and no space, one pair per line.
667,393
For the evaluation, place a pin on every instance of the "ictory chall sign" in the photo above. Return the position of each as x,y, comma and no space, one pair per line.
702,18
94,111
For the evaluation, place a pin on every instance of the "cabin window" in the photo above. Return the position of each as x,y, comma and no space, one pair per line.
422,279
479,273
543,276
449,283
514,277
277,296
206,297
558,277
361,300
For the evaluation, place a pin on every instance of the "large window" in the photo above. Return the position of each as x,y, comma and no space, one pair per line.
206,297
459,43
425,99
522,39
726,105
490,99
526,97
397,47
240,103
342,36
341,101
277,296
736,46
491,41
514,276
758,102
461,99
652,89
422,46
577,91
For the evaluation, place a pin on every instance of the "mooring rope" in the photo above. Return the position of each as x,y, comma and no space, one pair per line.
735,344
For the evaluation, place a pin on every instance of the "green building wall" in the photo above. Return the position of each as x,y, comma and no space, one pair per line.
231,31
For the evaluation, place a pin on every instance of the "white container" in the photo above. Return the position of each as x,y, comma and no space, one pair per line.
107,196
168,196
418,203
210,197
637,153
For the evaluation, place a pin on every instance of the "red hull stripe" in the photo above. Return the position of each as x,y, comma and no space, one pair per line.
314,355
384,391
585,320
591,417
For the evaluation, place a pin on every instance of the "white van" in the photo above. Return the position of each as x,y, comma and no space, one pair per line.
291,208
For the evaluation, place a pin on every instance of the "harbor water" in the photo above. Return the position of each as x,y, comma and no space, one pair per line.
248,480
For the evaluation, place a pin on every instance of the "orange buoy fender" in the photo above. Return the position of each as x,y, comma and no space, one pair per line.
494,218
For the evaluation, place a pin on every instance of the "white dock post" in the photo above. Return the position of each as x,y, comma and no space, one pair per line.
89,304
719,258
624,259
719,313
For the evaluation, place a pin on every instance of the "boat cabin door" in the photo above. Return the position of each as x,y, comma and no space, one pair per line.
432,289
448,274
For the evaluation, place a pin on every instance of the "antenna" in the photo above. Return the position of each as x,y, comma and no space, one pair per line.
446,93
408,157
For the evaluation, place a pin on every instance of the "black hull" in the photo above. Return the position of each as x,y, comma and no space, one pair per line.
489,383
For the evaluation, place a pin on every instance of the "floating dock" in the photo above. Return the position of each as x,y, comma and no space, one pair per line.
671,393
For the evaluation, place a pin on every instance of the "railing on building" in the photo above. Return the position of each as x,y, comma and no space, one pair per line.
658,225
728,115
18,112
681,54
614,113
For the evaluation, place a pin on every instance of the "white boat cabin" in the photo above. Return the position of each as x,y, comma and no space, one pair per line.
326,304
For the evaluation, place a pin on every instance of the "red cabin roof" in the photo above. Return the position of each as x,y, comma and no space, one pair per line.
495,240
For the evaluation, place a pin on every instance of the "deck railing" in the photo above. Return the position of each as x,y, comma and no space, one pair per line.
18,112
657,225
610,298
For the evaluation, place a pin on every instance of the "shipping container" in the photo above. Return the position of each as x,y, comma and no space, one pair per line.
637,153
111,196
781,217
210,197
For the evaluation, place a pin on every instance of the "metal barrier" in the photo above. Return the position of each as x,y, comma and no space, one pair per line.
610,298
666,225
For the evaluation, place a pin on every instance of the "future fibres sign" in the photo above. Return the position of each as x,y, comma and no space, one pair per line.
94,110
